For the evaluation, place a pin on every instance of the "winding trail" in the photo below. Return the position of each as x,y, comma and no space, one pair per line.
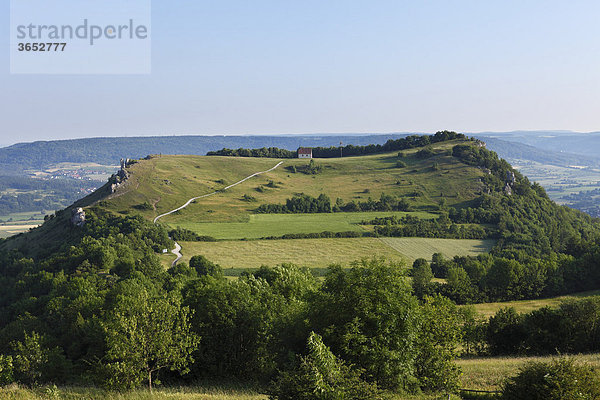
177,249
177,252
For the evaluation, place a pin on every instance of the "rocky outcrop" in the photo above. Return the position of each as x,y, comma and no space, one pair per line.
78,217
120,177
510,182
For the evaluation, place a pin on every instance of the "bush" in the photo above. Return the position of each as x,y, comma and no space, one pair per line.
145,206
6,370
505,332
425,153
560,379
248,198
205,267
35,362
322,376
186,235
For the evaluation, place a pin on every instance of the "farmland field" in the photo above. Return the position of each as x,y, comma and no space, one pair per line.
414,248
265,225
13,224
7,230
524,306
313,253
234,256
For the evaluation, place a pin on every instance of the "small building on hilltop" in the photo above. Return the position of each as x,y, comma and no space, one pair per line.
304,152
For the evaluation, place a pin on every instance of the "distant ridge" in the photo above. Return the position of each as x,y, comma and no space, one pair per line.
109,150
555,147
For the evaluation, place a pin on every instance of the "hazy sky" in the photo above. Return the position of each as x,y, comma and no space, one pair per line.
282,66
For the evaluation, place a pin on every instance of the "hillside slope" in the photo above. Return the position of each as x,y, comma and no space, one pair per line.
169,181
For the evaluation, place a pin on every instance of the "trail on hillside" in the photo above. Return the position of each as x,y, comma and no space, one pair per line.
177,246
177,252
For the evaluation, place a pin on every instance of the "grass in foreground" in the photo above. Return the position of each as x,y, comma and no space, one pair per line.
488,373
14,392
524,306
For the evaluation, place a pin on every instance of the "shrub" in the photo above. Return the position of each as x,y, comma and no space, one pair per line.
425,153
186,235
145,206
6,370
560,379
322,376
205,267
505,332
35,362
248,198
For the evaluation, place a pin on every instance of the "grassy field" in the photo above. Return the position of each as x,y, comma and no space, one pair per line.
313,253
265,225
524,306
488,373
414,248
235,256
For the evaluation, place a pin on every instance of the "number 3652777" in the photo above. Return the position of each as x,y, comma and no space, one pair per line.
41,46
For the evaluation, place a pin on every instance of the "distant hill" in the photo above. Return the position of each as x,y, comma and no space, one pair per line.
519,151
587,144
547,147
16,159
108,151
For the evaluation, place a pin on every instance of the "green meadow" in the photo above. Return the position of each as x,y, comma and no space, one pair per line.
266,225
237,255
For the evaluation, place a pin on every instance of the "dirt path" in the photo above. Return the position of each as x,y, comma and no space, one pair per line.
177,250
215,192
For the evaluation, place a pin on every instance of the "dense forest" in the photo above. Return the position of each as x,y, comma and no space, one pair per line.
101,309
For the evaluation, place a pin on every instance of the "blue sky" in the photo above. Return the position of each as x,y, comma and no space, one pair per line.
280,66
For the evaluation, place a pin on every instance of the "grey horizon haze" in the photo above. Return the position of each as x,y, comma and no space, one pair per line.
271,67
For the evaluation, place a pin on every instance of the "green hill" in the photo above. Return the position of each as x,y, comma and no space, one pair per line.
167,182
100,303
437,189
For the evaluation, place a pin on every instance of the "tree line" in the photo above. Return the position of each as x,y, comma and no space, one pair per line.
491,278
409,142
573,327
441,227
304,203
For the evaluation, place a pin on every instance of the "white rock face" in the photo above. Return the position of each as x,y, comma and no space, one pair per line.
78,217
